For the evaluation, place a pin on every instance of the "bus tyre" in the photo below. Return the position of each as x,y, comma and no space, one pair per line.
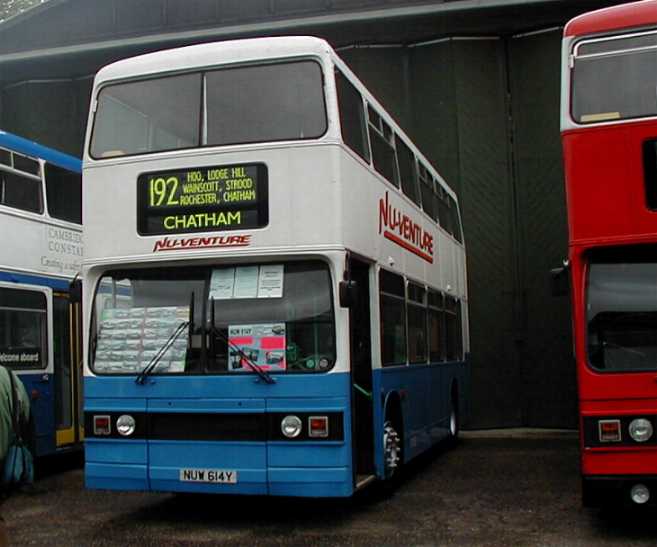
454,425
392,448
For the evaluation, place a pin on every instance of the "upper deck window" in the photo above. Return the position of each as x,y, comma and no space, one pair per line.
352,117
64,193
20,182
276,102
246,104
614,79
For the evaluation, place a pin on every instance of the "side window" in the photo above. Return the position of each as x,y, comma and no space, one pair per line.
426,189
383,151
64,193
453,332
20,183
456,221
459,330
23,332
436,327
650,172
417,323
352,117
407,170
393,319
444,214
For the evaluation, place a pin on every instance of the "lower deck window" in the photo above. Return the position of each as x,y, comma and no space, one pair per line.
621,309
23,332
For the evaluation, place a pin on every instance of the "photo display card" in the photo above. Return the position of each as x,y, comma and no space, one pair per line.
263,344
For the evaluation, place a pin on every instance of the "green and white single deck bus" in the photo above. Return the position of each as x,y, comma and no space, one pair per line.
275,282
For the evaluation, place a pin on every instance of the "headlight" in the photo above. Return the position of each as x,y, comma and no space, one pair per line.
640,494
640,430
125,425
291,426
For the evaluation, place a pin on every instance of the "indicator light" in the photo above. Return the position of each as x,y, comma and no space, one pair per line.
318,426
102,425
609,431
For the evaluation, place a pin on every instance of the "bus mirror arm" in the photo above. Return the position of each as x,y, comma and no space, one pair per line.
560,280
75,290
348,293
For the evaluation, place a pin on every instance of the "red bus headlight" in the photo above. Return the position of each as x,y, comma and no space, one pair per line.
640,430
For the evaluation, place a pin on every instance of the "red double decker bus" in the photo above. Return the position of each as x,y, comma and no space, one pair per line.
609,135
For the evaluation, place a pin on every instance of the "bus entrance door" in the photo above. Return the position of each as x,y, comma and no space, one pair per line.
67,371
361,376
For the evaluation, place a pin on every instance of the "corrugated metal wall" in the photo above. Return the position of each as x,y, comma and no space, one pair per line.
51,112
547,366
485,111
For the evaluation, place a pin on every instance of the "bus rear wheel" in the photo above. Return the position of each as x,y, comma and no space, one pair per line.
453,421
392,448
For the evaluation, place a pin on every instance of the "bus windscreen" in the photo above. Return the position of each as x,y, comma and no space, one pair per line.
211,319
237,105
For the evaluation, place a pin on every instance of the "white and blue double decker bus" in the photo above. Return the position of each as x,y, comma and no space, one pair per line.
41,252
274,285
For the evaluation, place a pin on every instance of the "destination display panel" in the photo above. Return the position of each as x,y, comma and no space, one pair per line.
203,199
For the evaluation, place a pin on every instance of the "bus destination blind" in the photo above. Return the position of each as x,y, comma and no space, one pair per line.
203,199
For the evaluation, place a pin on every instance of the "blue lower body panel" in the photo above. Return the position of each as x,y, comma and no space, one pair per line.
247,460
310,482
182,439
109,476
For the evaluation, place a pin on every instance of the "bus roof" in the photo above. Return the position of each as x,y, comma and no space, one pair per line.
624,16
216,53
35,150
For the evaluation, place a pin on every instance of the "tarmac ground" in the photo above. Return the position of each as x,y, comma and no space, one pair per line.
492,489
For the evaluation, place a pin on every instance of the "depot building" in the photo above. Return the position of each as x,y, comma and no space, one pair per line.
475,84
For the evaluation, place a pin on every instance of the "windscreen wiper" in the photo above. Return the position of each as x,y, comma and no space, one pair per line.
244,357
141,377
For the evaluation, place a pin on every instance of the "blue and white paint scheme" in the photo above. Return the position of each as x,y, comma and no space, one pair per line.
355,259
40,254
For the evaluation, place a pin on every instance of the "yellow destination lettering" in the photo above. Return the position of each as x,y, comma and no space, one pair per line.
217,174
158,189
200,187
202,220
199,199
172,182
239,195
194,176
239,184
